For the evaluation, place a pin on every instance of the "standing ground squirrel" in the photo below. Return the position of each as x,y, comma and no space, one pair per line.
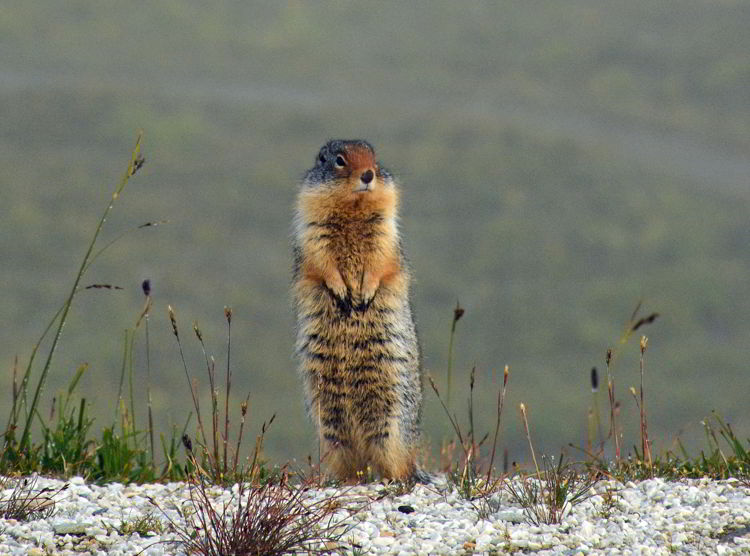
356,339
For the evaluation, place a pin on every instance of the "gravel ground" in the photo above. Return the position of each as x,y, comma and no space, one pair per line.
648,517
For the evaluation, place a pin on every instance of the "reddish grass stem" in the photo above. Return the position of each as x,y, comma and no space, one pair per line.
228,316
645,445
525,420
500,403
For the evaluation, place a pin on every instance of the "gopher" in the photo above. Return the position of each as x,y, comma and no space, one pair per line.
356,340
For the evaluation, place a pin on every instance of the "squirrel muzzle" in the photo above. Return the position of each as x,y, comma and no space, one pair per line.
366,181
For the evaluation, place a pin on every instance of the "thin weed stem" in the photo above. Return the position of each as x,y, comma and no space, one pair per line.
122,372
645,444
243,413
173,320
15,410
130,387
500,403
148,389
525,420
458,312
613,430
228,316
451,418
211,370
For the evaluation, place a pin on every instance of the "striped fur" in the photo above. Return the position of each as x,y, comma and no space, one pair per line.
356,341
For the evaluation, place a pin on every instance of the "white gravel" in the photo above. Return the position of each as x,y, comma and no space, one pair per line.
648,517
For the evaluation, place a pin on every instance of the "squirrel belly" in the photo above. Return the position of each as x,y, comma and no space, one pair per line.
356,339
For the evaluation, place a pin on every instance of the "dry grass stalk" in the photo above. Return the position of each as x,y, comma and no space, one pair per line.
500,404
458,312
228,317
613,430
269,518
525,420
26,503
645,444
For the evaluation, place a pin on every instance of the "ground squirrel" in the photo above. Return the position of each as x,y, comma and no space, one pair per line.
356,339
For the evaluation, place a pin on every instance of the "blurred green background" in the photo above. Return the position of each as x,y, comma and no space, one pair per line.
560,161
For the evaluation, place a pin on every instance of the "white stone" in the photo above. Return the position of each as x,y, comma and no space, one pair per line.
68,527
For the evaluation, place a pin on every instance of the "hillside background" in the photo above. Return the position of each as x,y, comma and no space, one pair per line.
559,163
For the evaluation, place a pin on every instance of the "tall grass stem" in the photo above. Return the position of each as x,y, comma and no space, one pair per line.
500,403
525,420
228,316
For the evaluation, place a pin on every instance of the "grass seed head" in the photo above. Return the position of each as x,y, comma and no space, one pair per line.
173,320
137,164
187,443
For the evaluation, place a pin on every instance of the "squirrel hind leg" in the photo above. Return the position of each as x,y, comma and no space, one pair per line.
394,460
342,463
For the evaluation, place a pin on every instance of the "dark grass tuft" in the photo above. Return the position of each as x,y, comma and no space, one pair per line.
26,502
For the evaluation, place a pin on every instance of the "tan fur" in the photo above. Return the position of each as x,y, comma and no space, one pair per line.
356,339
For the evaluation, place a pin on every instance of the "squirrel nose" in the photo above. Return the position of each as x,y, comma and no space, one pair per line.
367,177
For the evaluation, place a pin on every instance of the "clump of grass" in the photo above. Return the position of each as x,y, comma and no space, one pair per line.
136,162
548,495
129,455
610,502
214,461
634,323
145,525
65,448
461,459
267,517
467,474
724,457
26,502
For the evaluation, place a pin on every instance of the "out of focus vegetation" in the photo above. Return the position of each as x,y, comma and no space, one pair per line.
559,162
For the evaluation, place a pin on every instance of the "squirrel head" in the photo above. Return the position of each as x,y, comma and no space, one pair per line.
348,166
347,181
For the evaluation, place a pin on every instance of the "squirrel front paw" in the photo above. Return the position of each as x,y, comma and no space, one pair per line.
367,297
335,283
338,291
368,288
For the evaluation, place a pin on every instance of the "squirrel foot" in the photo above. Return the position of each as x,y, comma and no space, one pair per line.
335,283
368,288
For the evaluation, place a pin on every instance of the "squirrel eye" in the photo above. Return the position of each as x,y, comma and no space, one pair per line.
321,158
340,162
